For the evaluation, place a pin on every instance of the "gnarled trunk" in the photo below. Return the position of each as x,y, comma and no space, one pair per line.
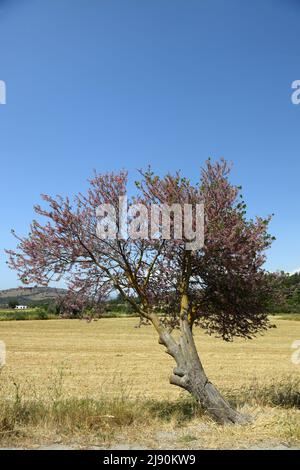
189,375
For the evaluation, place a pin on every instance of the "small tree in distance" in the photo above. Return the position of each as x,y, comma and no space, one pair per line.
220,287
13,303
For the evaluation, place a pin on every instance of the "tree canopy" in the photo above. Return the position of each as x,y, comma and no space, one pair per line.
221,286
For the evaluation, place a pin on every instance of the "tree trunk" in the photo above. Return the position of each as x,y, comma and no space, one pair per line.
189,375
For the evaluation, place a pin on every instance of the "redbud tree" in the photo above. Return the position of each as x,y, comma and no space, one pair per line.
220,287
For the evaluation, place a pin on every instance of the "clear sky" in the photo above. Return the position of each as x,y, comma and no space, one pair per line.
112,84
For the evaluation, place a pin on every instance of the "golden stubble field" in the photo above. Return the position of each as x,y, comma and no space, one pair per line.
64,361
110,353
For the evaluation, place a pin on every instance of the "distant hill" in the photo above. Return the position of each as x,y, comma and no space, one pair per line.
30,295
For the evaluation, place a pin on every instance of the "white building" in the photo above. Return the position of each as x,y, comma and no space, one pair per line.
20,307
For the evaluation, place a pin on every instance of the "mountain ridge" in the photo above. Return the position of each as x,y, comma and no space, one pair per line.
30,295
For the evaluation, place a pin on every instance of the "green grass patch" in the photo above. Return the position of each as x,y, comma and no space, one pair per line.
29,314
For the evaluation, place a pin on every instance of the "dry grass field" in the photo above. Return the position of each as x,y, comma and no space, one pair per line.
65,361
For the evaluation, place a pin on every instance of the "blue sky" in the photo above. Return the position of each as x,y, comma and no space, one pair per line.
111,84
